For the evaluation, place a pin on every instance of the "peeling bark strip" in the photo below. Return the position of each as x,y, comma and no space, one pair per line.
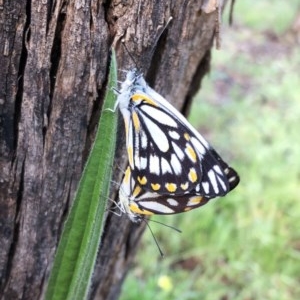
54,58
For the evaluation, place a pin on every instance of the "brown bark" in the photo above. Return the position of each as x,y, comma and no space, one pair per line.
54,58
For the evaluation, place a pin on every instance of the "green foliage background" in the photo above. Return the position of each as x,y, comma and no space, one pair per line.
246,245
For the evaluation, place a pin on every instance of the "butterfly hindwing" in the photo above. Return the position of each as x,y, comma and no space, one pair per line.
136,202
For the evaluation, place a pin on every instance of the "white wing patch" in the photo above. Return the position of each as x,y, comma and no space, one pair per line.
218,169
143,163
165,166
176,165
144,140
178,151
159,115
198,146
219,172
155,206
158,136
199,137
174,135
154,164
205,186
213,180
172,202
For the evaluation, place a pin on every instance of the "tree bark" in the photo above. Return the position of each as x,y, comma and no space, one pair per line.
54,62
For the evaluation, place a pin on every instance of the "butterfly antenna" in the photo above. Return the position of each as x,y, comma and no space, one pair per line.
116,183
166,225
130,55
116,90
159,36
155,240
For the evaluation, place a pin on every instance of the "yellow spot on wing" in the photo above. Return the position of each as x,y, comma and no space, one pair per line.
171,187
136,121
184,186
137,190
142,180
195,200
155,186
142,97
127,175
130,155
193,175
187,136
191,153
187,209
134,208
126,127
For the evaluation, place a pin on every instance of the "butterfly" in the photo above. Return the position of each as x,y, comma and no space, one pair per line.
167,155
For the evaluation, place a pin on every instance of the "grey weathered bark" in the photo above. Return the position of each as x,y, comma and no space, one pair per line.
54,57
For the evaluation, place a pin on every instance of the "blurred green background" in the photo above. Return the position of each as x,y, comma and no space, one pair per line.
246,245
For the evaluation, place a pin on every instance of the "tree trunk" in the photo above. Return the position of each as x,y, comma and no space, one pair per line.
54,62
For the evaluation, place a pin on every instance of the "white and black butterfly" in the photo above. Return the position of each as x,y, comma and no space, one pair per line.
167,155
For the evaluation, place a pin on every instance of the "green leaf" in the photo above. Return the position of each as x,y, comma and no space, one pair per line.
76,254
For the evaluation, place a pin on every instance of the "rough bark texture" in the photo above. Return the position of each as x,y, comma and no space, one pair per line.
54,57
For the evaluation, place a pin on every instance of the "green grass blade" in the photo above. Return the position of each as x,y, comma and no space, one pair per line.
76,254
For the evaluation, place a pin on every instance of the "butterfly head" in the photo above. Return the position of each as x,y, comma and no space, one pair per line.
134,81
